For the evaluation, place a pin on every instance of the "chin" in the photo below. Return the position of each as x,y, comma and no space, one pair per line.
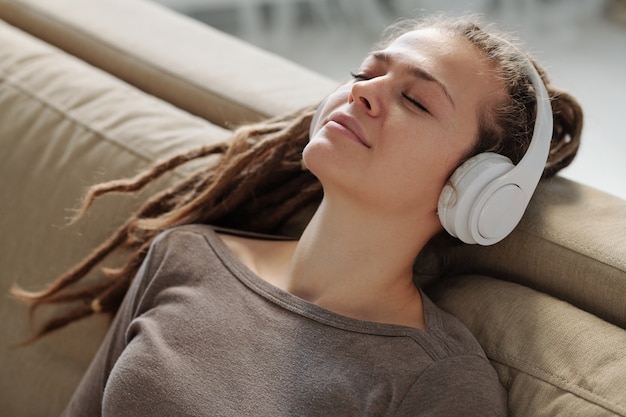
310,160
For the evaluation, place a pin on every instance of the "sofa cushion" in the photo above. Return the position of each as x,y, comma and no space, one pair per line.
553,358
570,244
63,126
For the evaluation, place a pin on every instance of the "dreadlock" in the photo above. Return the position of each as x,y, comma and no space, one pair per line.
257,185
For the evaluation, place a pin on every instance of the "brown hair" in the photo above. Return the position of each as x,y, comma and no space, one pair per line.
259,185
507,129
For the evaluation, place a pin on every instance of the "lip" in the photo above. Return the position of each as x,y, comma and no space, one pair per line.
350,126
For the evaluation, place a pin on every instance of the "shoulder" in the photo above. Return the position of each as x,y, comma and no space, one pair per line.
448,337
464,385
183,234
177,257
185,242
460,380
176,252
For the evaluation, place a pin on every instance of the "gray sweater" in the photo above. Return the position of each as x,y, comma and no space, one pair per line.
199,334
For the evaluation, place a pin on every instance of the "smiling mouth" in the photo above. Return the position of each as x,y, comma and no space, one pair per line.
348,128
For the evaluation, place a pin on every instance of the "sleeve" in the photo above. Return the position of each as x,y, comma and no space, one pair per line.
457,386
87,399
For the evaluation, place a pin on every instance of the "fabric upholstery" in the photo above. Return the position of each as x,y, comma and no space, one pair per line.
553,358
571,243
173,57
64,126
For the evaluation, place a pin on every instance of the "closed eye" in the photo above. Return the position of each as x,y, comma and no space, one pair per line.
359,76
362,77
415,103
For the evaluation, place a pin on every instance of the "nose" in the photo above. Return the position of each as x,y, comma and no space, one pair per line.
366,94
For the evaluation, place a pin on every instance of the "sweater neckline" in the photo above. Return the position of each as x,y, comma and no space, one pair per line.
303,307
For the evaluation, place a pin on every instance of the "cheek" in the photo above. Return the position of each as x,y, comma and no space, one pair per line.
423,164
327,106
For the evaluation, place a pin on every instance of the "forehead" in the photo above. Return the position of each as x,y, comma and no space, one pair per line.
453,59
435,43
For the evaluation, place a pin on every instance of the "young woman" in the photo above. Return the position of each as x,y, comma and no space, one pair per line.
216,322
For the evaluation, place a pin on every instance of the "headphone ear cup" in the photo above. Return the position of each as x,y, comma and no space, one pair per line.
464,191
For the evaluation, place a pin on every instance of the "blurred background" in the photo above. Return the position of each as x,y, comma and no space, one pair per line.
581,43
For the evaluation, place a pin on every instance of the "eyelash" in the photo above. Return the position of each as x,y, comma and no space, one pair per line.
415,103
362,77
359,76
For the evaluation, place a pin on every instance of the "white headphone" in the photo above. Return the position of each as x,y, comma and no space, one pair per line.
487,195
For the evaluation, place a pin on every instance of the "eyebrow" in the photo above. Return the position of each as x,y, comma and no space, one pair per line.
414,71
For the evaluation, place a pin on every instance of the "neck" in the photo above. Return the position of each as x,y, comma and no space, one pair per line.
359,264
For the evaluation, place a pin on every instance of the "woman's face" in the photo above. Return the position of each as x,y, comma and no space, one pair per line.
390,138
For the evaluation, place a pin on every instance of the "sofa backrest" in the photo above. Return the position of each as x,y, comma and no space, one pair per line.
199,69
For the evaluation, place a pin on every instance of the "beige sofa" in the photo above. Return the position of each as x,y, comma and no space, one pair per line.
96,90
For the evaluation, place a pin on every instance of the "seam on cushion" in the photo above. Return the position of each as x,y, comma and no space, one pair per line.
583,302
574,245
10,81
145,63
545,376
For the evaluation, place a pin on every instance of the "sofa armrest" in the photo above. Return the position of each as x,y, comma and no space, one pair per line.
196,68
